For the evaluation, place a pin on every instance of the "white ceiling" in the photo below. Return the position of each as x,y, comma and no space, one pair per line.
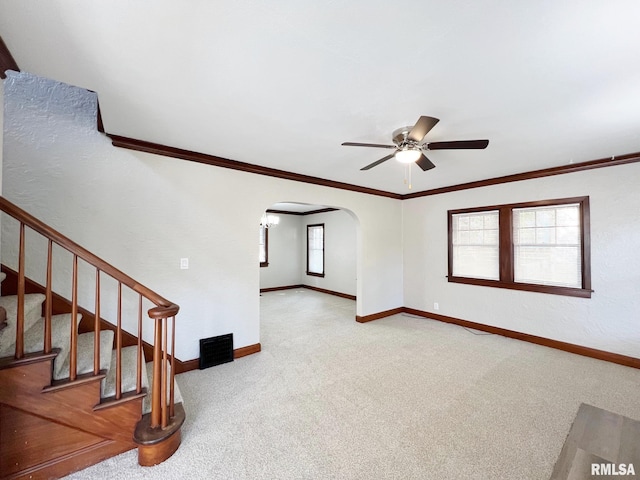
284,83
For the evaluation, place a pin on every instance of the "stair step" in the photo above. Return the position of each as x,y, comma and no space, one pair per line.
129,370
85,355
32,313
57,385
60,331
177,396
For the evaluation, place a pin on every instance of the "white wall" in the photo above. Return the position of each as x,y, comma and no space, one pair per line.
340,251
610,320
285,245
143,212
288,252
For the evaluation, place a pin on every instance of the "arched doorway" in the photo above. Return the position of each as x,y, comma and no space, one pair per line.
309,248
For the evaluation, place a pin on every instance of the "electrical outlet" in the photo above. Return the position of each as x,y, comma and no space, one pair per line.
184,263
436,306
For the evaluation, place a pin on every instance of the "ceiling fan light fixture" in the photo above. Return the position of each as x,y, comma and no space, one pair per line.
409,145
408,155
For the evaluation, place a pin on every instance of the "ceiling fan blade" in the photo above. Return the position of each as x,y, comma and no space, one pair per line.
424,163
376,145
378,162
457,145
421,128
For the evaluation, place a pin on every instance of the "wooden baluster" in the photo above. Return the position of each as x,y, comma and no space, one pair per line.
173,356
96,328
21,285
140,361
48,303
164,372
73,352
156,404
119,345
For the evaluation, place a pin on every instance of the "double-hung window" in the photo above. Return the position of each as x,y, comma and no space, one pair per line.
541,246
315,250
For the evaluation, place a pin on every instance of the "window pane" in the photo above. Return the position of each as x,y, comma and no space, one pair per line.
475,245
545,235
545,217
548,253
315,249
568,235
568,217
527,235
263,246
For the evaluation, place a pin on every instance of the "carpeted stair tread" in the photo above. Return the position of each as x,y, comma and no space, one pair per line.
60,331
177,396
129,367
85,354
32,313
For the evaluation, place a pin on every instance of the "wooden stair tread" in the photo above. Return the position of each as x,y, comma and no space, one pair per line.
113,401
80,380
34,357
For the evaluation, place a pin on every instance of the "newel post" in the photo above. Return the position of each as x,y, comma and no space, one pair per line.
156,395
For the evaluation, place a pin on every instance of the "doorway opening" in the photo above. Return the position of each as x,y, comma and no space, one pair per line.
310,253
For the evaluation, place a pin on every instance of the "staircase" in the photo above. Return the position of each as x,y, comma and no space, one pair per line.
74,388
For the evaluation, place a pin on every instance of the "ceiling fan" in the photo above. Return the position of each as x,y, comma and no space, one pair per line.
409,146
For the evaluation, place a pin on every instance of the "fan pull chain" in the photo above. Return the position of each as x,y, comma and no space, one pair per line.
407,169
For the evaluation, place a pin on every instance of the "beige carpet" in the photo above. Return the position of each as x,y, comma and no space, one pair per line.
397,398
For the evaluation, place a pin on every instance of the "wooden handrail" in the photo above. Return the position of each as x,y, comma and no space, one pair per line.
164,311
57,237
160,313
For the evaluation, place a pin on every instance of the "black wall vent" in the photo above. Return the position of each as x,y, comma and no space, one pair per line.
216,350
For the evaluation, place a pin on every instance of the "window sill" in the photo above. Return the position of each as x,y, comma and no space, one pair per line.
313,274
528,287
264,264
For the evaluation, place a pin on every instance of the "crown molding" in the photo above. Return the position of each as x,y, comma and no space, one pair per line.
133,144
7,61
158,149
545,172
